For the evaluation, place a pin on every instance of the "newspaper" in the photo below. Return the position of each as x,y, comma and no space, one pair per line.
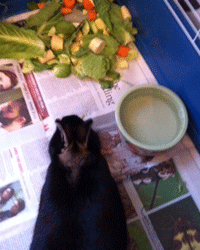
150,187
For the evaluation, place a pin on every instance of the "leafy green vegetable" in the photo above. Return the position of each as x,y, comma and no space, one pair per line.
62,70
19,43
103,7
32,6
39,67
115,14
114,76
122,35
69,41
122,30
111,45
65,27
82,52
27,66
106,84
50,10
31,42
63,58
93,66
46,40
129,27
78,70
113,62
53,61
44,20
48,17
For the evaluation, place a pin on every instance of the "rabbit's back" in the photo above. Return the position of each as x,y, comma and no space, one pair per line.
87,215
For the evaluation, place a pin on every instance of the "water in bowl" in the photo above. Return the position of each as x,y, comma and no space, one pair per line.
150,120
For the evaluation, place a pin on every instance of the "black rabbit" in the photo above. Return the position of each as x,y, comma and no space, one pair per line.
80,206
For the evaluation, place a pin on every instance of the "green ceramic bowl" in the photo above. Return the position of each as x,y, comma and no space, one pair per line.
151,118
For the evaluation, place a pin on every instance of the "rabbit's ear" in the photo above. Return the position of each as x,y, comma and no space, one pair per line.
83,132
89,126
62,133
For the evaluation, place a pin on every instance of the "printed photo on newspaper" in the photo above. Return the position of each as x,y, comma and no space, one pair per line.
14,105
168,217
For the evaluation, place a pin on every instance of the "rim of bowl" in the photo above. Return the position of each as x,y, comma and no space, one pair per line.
176,99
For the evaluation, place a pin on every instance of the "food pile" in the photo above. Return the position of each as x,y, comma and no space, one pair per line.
96,47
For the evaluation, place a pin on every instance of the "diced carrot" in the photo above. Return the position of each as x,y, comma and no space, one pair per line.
92,15
122,51
88,5
69,3
65,11
41,5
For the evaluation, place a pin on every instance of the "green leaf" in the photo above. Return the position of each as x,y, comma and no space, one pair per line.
18,43
63,58
122,30
78,70
39,67
32,6
122,35
27,66
106,84
69,40
66,28
115,14
43,15
113,62
82,52
103,7
62,70
111,44
129,27
95,66
113,75
46,40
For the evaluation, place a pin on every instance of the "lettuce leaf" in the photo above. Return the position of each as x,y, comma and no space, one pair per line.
106,84
115,14
122,35
37,20
93,66
103,7
18,43
111,44
65,27
122,30
39,67
44,20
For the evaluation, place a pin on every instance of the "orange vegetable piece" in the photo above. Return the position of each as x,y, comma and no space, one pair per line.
41,5
88,5
92,15
122,51
65,11
69,3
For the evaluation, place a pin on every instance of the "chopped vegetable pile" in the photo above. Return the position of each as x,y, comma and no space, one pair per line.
95,48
